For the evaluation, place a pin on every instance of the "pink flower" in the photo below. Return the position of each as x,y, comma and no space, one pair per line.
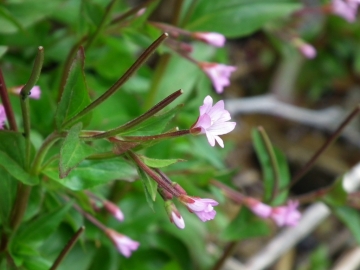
124,244
346,10
286,215
174,214
306,49
219,74
35,92
2,116
213,121
258,208
114,210
203,208
215,39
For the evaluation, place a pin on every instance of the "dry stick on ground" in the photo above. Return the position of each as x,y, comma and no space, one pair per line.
325,119
289,237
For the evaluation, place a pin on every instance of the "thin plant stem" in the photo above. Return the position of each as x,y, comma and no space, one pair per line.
177,12
40,155
322,149
157,137
67,248
24,101
131,12
229,192
274,163
6,103
143,57
101,25
161,182
89,217
20,205
226,254
155,83
162,104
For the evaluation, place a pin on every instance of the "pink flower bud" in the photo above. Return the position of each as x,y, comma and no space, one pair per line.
174,215
219,74
286,215
124,244
203,208
35,92
2,116
213,121
215,39
305,49
345,9
114,210
258,208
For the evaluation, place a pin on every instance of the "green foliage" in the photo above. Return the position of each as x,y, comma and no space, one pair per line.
245,225
238,18
75,96
351,218
12,153
268,170
73,151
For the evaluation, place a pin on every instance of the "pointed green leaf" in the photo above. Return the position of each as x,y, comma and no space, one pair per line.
75,96
159,163
245,225
351,218
247,15
7,195
73,151
91,173
336,196
12,153
39,229
267,169
153,125
150,188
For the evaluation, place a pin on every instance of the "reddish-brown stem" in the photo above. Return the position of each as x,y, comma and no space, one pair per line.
6,103
229,192
161,182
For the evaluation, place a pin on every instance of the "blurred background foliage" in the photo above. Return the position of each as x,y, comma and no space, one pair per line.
259,36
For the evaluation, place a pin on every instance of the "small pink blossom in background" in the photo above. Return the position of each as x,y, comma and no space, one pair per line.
114,210
35,92
124,244
215,39
174,214
258,208
2,116
219,74
140,12
307,50
286,215
345,9
213,121
203,208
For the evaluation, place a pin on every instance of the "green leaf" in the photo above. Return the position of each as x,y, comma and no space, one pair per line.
73,151
158,163
75,96
19,15
245,225
267,169
150,188
3,50
12,153
351,218
337,195
39,229
236,18
7,195
91,173
153,125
